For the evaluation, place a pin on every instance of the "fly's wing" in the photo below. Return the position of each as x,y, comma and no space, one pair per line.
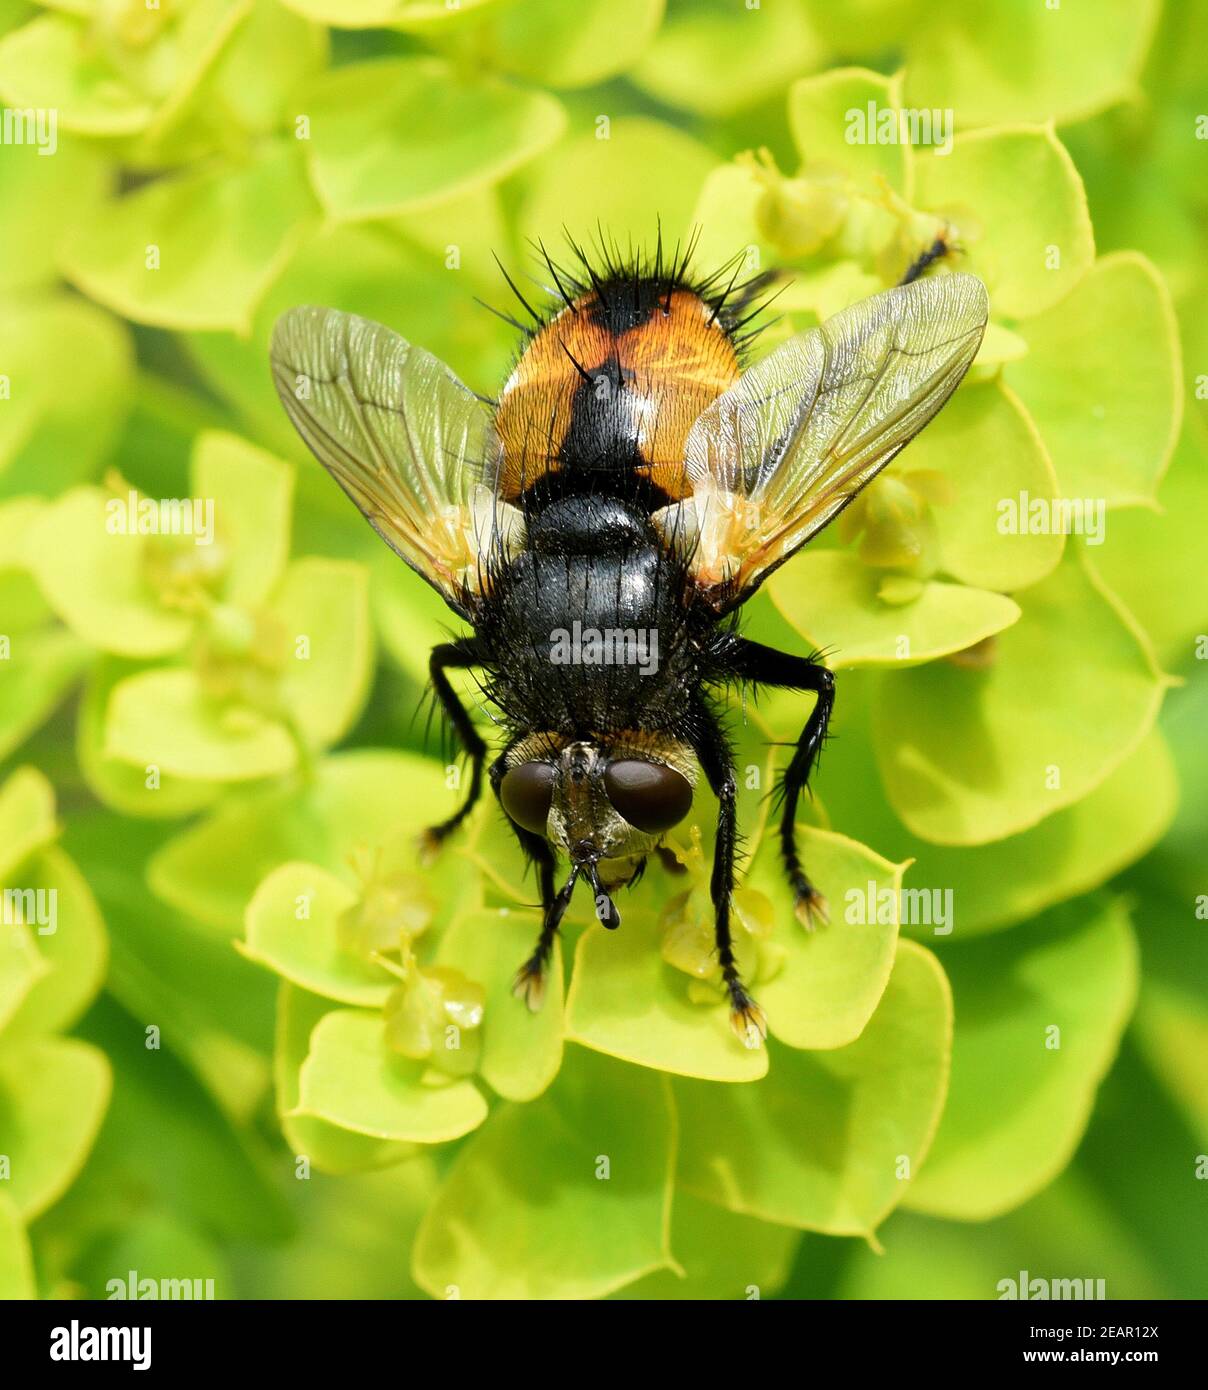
412,446
780,454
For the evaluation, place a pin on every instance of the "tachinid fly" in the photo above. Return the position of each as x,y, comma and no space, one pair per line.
634,485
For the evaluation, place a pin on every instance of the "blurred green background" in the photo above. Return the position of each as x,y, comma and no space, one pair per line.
212,765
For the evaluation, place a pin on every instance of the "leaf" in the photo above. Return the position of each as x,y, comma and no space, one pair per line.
718,59
828,1141
71,945
16,1258
380,278
330,1148
1153,558
820,117
53,434
166,1144
356,799
121,785
832,599
989,187
626,1001
27,818
987,447
252,494
104,595
1102,380
155,1255
1000,63
53,1094
1172,1029
52,193
1074,970
306,950
966,890
40,670
420,16
239,95
568,186
21,967
196,250
390,135
722,1256
44,65
521,1050
567,1197
1068,853
104,72
969,756
352,1079
549,43
25,609
324,604
833,978
217,1006
164,718
727,215
349,1237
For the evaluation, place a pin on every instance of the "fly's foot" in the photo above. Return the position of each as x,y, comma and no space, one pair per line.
529,984
811,907
747,1019
428,843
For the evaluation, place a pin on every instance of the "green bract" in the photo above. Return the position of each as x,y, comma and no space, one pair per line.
248,1031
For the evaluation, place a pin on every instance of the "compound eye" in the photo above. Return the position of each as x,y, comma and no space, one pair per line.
650,796
527,792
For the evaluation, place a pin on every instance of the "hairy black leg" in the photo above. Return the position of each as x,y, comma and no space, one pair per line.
717,762
938,249
456,656
529,984
766,666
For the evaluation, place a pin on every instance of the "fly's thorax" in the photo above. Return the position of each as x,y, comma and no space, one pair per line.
618,377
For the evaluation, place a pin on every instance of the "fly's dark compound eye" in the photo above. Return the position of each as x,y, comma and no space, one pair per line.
650,796
527,792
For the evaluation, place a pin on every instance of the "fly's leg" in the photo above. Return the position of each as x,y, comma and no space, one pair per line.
717,762
938,249
529,984
766,666
456,656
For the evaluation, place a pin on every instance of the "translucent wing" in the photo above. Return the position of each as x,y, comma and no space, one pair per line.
412,446
780,454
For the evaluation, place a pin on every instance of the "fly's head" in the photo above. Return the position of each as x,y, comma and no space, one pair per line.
606,804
